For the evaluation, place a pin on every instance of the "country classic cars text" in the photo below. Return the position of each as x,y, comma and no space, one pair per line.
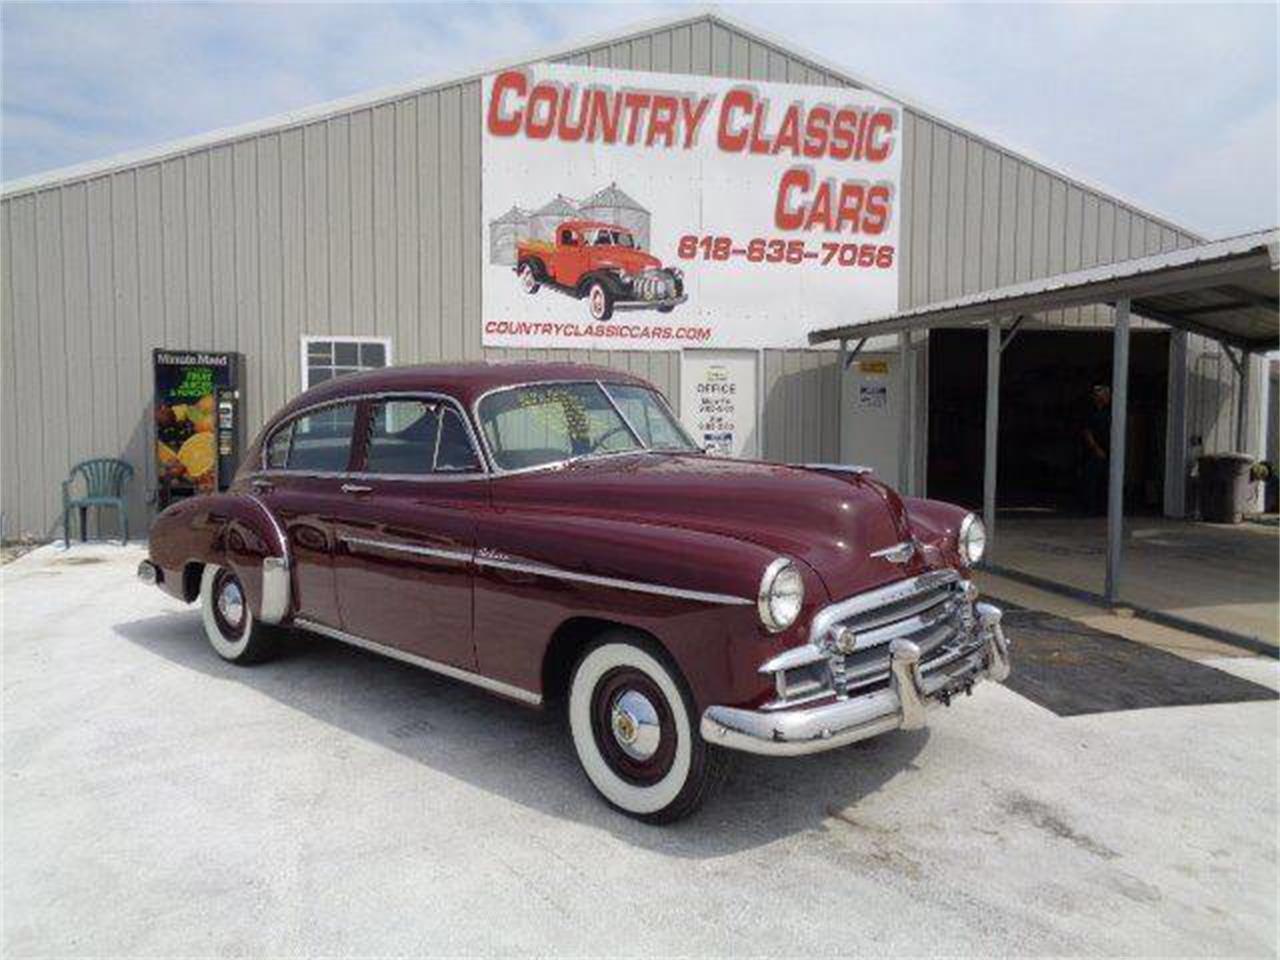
744,122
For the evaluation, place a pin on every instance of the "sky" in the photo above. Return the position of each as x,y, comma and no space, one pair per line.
1170,106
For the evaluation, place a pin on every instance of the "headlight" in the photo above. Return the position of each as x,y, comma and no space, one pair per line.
781,595
972,540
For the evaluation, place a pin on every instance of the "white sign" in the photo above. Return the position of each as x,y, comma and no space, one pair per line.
629,210
718,402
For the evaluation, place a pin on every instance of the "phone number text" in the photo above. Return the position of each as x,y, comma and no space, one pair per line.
773,250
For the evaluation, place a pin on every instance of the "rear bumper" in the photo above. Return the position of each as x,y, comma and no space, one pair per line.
902,705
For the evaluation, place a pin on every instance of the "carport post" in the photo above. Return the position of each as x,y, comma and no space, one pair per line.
992,433
1242,402
1119,416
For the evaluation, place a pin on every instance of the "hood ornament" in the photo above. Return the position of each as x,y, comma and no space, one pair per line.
898,553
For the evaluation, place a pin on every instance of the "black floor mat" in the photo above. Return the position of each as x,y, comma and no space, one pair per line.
1072,669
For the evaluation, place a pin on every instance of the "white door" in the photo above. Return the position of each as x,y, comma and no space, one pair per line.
719,400
871,392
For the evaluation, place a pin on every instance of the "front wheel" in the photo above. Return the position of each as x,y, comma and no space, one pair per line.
599,301
233,632
631,718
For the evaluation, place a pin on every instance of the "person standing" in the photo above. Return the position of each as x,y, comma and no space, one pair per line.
1096,438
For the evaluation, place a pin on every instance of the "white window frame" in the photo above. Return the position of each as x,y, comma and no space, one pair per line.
309,338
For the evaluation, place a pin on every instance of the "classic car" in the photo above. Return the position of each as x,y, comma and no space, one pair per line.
548,532
601,263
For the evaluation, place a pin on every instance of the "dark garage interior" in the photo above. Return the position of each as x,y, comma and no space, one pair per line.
1045,381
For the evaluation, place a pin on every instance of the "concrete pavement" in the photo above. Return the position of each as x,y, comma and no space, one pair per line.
159,802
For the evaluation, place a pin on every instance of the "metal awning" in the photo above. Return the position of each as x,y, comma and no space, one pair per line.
1227,290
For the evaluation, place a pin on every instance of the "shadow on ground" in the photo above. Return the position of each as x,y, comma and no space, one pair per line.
525,755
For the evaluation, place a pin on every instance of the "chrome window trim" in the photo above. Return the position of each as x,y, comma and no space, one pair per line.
483,559
456,673
497,471
462,556
358,398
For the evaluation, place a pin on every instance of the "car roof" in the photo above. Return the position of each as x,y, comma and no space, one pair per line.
465,382
595,225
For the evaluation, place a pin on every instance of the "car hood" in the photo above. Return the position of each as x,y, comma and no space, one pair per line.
629,261
834,521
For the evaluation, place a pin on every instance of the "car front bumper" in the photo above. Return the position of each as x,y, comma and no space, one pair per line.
650,304
902,705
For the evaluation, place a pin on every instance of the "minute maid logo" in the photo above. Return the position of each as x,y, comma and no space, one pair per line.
187,359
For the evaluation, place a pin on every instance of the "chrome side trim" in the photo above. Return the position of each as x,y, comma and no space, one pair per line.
544,570
462,556
277,578
456,673
276,588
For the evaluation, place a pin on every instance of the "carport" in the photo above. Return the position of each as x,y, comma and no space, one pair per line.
1225,290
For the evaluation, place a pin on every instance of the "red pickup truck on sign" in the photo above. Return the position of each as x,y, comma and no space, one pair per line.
601,263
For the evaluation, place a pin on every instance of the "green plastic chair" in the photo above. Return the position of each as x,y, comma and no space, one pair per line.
104,482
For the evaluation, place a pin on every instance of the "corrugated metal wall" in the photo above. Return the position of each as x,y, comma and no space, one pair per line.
368,222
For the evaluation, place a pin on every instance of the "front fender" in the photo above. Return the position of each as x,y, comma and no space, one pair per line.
232,530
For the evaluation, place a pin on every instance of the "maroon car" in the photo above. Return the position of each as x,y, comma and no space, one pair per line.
550,533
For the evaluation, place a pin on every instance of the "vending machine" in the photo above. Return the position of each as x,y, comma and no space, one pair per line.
198,421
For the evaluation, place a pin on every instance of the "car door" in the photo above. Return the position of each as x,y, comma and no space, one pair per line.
406,536
570,258
306,461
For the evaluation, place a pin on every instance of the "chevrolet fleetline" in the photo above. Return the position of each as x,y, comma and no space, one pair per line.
550,533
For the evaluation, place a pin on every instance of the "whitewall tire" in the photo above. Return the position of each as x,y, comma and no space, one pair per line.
232,630
635,732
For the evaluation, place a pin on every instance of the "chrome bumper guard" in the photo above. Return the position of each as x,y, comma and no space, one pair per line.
650,304
789,733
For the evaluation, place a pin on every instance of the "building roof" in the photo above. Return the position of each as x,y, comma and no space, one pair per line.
709,14
1226,290
612,196
558,206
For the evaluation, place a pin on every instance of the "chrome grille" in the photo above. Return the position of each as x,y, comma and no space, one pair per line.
931,611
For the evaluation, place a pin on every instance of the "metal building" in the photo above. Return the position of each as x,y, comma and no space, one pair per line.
289,238
612,205
544,220
505,232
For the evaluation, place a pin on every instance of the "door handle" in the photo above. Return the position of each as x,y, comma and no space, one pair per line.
356,488
263,486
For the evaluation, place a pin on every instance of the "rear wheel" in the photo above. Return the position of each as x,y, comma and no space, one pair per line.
528,278
633,727
599,301
233,632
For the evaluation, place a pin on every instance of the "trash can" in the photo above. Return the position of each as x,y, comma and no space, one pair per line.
1224,486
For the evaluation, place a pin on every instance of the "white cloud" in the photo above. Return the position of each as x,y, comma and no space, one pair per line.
1173,106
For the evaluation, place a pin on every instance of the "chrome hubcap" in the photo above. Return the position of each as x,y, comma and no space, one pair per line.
635,725
231,603
526,277
597,302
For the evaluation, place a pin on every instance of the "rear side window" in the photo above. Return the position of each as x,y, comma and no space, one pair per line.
320,441
402,437
412,437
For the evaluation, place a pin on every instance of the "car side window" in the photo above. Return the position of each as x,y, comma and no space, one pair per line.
321,440
454,453
567,239
277,456
403,435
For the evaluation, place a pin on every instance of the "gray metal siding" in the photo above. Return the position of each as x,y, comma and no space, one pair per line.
368,222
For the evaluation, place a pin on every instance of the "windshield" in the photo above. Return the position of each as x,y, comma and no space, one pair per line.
614,238
547,423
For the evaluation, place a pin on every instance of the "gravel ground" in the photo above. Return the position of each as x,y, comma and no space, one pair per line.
160,802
